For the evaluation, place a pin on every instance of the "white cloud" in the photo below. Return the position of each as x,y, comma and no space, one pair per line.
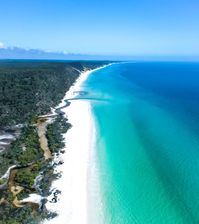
1,45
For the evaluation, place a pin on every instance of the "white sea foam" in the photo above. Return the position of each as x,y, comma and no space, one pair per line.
72,205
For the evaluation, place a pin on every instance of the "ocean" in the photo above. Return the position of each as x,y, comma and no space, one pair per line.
147,143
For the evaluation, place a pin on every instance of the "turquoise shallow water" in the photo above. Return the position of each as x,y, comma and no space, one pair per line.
147,148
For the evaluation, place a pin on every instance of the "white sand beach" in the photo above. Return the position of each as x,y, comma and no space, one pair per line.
72,204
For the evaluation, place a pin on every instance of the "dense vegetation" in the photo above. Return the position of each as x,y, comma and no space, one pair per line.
25,150
54,133
29,89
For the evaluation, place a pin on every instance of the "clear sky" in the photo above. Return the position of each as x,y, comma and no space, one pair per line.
120,27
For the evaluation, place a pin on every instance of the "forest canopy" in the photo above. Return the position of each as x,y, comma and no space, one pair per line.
30,88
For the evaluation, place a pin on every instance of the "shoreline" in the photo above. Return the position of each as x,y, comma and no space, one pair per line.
39,144
79,141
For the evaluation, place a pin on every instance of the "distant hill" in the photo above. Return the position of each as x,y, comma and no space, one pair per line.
21,53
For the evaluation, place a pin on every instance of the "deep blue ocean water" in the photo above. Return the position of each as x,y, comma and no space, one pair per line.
147,147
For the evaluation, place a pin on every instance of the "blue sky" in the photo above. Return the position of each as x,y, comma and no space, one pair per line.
125,27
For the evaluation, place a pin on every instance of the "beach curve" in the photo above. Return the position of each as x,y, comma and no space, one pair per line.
72,205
